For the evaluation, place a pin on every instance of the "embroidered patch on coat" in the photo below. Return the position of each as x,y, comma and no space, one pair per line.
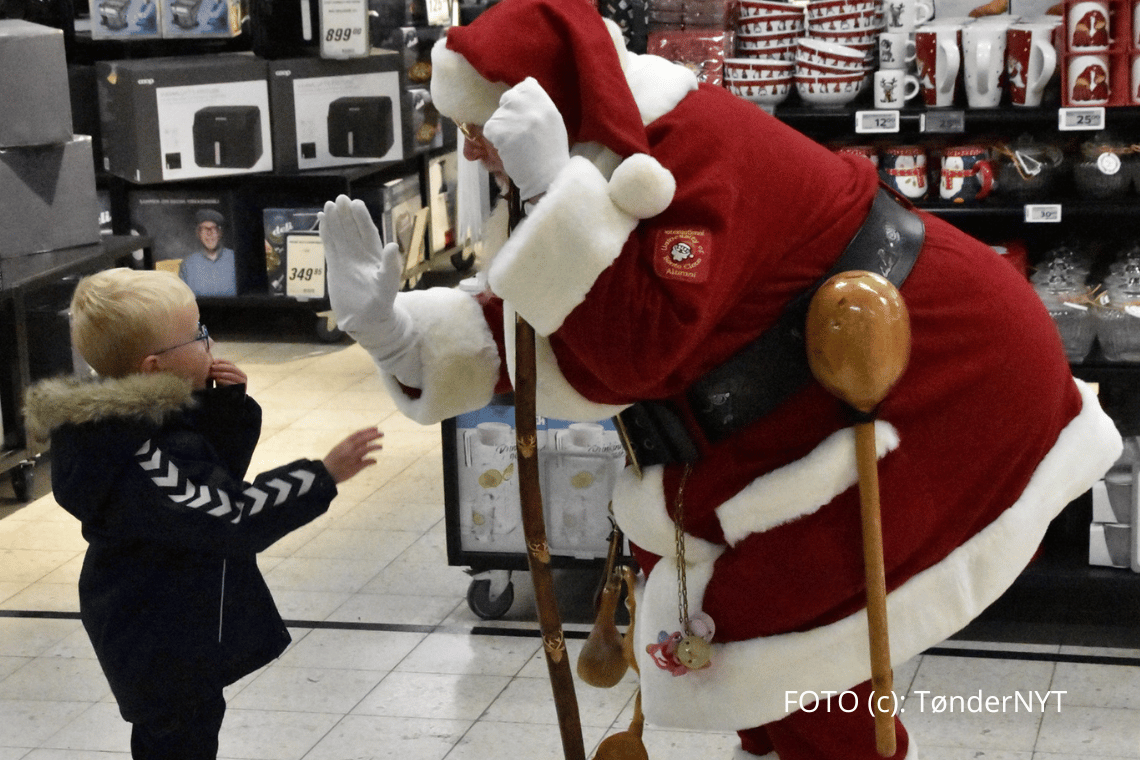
683,254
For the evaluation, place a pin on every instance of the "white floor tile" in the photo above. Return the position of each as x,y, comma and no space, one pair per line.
272,735
99,727
363,650
322,690
463,697
29,723
371,737
1090,732
57,679
460,653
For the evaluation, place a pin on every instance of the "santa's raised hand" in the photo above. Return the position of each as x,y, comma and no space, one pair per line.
528,132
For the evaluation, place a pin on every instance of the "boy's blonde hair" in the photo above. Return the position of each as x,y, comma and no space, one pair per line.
117,314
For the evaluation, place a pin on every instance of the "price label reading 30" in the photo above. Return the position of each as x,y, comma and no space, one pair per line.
1069,119
877,121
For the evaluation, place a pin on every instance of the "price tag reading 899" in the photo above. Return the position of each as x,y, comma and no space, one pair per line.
344,29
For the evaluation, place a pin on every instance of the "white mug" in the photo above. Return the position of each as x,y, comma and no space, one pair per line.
983,63
1088,81
1136,79
904,15
1030,62
896,50
893,87
938,59
1087,26
1136,24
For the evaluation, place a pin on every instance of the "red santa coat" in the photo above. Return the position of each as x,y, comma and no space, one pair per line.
983,441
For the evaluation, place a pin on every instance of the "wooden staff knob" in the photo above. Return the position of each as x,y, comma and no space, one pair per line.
858,337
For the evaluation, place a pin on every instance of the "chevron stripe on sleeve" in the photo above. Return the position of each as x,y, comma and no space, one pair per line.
267,491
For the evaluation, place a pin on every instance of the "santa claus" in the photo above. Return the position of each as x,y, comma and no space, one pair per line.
624,157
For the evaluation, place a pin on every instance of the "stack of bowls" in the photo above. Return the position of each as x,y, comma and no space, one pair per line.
766,34
828,74
834,62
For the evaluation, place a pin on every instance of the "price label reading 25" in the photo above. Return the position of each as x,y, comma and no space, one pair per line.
1080,118
877,121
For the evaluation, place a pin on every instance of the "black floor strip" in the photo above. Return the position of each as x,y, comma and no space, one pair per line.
526,632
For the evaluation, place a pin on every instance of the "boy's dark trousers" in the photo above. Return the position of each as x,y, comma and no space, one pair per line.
191,734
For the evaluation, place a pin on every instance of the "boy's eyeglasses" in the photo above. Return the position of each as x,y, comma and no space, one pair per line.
203,334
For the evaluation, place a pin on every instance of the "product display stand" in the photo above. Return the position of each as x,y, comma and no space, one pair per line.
21,277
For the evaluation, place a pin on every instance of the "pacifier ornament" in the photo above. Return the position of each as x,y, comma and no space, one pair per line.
681,652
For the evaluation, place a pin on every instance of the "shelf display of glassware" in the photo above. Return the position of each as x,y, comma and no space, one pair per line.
1061,281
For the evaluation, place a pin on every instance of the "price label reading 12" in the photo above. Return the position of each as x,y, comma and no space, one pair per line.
876,121
1080,118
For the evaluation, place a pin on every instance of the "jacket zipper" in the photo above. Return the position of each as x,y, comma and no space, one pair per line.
222,602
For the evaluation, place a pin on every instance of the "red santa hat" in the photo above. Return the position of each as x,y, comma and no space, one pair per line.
568,48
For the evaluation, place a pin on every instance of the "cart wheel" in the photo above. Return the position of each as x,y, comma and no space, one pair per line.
327,331
480,601
23,480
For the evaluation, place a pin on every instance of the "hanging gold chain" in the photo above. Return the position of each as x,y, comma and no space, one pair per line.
679,538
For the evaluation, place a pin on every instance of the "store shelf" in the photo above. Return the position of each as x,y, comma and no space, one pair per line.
21,277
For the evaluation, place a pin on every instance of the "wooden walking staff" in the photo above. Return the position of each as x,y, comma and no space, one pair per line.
534,529
858,345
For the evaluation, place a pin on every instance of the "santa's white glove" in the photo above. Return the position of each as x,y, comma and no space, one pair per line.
530,137
363,278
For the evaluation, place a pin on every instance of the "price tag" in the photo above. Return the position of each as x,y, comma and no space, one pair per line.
304,266
1070,119
344,29
943,122
438,12
1043,212
876,121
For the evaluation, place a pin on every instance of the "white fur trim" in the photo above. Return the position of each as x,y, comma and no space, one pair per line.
642,187
460,361
460,92
748,680
657,84
739,754
802,487
550,262
639,508
554,396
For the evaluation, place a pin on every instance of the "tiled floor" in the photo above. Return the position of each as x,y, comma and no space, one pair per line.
389,661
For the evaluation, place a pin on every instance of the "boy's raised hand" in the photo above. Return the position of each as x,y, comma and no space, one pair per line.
225,372
350,456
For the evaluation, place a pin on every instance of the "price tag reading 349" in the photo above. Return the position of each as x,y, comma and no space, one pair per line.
1070,119
304,266
876,121
344,29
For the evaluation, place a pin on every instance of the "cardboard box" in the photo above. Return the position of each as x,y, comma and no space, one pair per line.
125,19
279,225
179,221
200,18
336,112
186,117
1110,544
404,220
33,87
47,197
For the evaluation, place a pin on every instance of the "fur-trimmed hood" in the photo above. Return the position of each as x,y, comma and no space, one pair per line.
147,399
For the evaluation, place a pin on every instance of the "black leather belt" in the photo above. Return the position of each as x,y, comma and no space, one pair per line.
774,366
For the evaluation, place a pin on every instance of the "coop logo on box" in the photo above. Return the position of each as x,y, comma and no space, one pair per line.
146,81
